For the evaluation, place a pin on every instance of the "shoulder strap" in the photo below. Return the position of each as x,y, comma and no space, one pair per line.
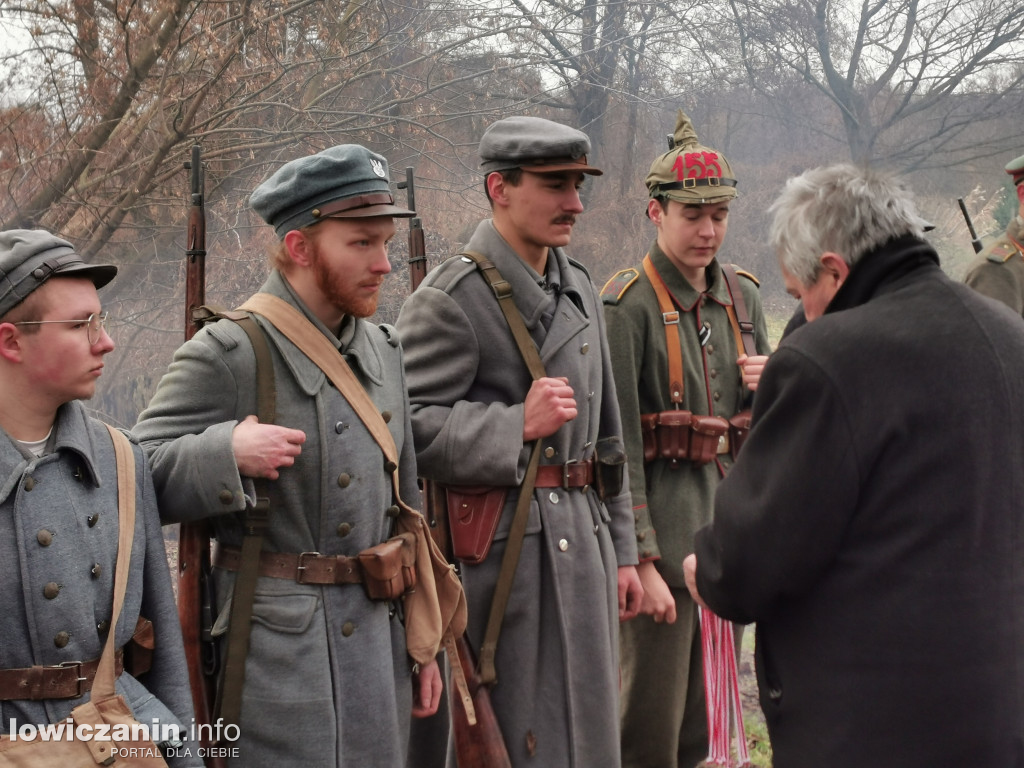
103,686
514,544
670,316
742,326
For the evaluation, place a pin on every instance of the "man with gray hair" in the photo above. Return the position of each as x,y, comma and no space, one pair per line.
873,526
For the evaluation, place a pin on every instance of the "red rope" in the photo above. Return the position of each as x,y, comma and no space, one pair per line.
722,688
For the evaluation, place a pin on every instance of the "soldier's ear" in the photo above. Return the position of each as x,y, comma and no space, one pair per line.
1020,192
10,343
300,247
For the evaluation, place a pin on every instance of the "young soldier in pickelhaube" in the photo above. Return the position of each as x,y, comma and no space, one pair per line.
998,271
678,327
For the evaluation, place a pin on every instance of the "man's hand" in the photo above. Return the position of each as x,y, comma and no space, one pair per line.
549,404
426,690
631,592
658,601
260,449
752,367
690,575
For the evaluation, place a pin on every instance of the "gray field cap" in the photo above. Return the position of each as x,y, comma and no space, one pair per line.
30,257
536,145
346,181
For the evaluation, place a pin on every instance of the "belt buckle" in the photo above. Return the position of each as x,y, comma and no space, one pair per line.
565,474
79,679
301,567
723,443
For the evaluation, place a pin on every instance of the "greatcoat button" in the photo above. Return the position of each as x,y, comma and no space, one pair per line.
51,590
718,395
386,415
44,537
348,628
554,497
344,479
103,626
549,452
344,529
390,466
92,519
30,483
711,349
226,496
585,348
61,639
392,511
563,544
96,570
641,536
340,427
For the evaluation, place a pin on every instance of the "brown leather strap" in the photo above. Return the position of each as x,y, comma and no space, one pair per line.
304,568
577,474
67,681
670,316
742,326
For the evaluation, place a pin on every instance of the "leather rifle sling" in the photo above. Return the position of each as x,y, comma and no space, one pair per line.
670,316
514,544
256,521
739,318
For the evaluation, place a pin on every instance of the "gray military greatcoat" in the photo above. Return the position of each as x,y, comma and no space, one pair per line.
328,679
557,662
58,547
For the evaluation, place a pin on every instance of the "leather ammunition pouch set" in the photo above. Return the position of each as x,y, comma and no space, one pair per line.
388,571
106,714
679,434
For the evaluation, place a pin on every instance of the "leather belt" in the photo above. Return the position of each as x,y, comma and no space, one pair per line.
304,568
65,681
573,474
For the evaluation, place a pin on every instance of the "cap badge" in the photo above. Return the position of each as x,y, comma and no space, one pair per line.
697,165
378,168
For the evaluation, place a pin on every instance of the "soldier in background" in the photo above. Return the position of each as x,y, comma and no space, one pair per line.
664,722
998,272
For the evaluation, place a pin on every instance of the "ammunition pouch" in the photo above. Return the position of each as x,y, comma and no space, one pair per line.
739,426
678,434
610,461
473,515
389,568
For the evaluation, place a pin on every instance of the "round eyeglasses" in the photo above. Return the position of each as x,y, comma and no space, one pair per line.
94,323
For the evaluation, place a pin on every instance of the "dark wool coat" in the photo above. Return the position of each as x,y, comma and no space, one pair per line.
58,547
873,527
328,679
557,655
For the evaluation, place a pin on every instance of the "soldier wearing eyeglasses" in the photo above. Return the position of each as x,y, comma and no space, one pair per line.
58,507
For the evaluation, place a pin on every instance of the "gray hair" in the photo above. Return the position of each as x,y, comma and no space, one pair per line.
843,209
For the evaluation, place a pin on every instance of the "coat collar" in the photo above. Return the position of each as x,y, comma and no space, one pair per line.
684,294
354,343
71,433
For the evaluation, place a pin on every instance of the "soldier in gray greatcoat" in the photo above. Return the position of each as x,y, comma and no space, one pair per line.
58,509
328,680
475,415
998,272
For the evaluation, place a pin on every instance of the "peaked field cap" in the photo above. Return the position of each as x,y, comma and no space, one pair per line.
30,257
346,181
1016,169
536,145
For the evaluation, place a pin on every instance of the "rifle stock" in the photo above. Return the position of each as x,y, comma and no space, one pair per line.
480,745
195,600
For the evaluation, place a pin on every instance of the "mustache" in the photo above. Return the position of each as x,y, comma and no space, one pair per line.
567,219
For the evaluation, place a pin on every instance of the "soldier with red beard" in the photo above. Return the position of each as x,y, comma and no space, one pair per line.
328,680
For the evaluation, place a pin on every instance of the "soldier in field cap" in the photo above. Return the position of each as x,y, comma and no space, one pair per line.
328,679
476,418
691,189
59,512
998,271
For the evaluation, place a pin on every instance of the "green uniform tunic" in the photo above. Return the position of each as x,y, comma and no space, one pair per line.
998,271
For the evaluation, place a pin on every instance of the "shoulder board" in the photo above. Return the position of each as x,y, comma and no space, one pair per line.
618,284
748,275
448,273
1000,252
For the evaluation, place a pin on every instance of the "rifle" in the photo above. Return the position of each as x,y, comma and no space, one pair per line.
975,240
478,742
195,596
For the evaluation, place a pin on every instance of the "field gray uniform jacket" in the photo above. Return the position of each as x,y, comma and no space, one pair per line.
328,679
557,662
873,527
59,527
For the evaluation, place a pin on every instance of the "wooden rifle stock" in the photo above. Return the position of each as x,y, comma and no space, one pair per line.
480,745
195,595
